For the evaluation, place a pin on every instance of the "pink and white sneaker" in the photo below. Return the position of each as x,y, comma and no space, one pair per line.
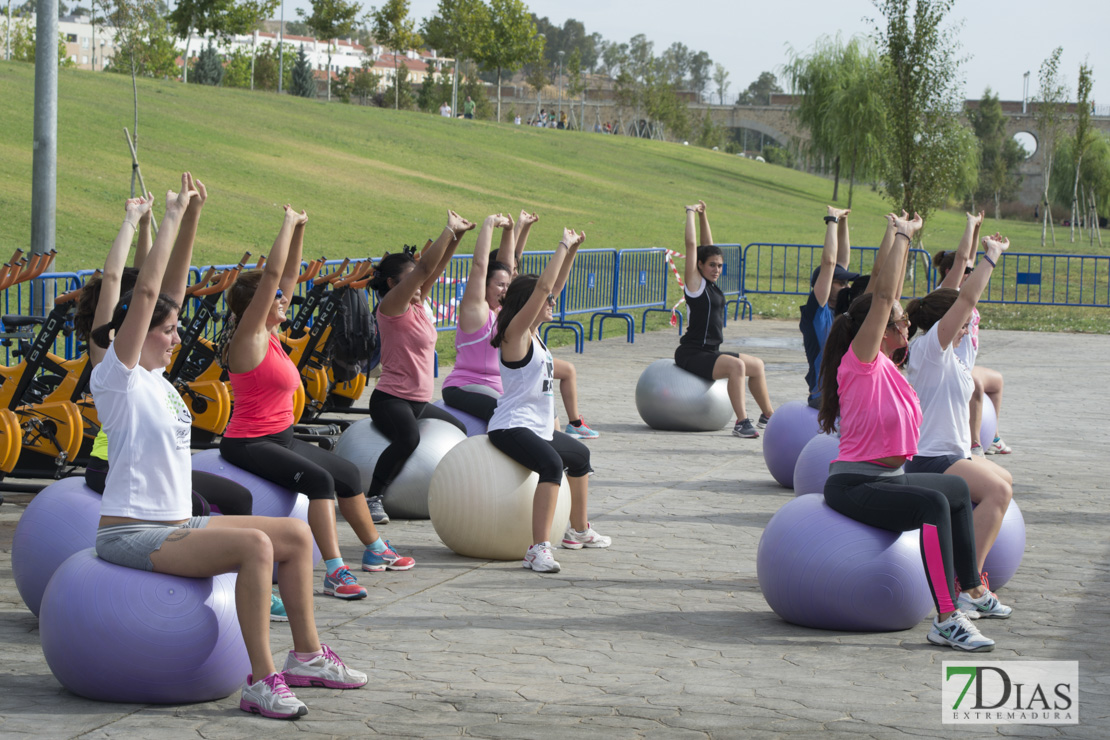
271,698
573,540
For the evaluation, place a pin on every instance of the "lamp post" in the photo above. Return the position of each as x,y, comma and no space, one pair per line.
1025,92
281,47
560,118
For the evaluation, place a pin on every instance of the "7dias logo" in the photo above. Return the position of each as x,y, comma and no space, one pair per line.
1037,692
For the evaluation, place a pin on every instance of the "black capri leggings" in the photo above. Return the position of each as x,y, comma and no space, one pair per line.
474,403
209,490
294,464
396,418
939,504
549,459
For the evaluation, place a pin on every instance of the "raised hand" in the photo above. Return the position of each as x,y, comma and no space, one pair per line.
197,201
839,213
568,237
906,226
302,218
997,242
138,209
695,209
180,200
291,214
527,219
457,223
502,222
701,206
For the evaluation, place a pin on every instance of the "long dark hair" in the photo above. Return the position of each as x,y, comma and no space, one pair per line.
90,297
389,268
163,307
520,290
925,312
238,298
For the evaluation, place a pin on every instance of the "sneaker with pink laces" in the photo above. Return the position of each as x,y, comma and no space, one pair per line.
326,670
574,540
271,698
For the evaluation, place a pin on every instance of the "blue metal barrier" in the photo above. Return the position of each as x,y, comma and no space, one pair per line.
533,263
731,281
26,299
785,269
1050,280
641,282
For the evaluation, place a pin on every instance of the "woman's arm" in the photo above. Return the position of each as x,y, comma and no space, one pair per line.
131,335
960,313
564,270
523,228
517,335
964,252
440,266
142,249
705,236
884,249
292,271
473,309
690,271
887,289
396,301
830,255
111,278
843,243
176,278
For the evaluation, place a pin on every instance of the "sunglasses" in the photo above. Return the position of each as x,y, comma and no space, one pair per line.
968,270
279,294
903,322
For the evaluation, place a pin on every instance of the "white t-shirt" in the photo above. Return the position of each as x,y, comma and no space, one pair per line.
944,386
148,428
968,349
529,397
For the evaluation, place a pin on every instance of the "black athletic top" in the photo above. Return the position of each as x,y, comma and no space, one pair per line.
706,317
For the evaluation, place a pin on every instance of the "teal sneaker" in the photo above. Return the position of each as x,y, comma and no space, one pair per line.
582,431
277,609
388,559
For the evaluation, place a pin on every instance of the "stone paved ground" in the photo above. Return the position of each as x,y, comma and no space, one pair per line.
666,635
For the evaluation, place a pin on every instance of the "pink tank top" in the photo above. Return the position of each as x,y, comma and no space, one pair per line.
264,396
408,346
879,412
475,358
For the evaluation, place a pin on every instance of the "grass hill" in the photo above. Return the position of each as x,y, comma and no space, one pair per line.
372,179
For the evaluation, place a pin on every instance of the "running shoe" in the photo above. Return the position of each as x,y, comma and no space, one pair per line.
375,562
377,511
986,606
745,428
573,540
271,698
998,447
582,431
342,585
763,421
539,559
277,609
324,671
958,632
977,449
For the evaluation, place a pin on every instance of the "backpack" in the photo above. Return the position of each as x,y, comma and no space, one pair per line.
355,345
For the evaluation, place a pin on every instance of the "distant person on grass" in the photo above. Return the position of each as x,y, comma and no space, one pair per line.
468,108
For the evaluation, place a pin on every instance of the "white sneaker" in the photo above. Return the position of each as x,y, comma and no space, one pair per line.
573,540
272,698
957,631
326,670
998,447
986,606
539,559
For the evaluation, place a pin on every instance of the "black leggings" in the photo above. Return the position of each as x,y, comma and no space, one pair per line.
476,404
294,464
228,496
396,419
939,504
549,459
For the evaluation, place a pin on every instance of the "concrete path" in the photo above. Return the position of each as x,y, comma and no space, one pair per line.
666,634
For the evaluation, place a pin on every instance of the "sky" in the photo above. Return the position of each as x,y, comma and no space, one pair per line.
1002,40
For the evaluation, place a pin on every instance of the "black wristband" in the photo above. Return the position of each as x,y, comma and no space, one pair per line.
831,219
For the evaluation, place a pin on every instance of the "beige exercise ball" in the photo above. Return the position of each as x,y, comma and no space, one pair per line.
481,502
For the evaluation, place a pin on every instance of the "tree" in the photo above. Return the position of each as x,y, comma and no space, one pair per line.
304,83
675,62
700,72
759,91
576,83
401,91
512,41
1082,136
999,155
459,28
1048,114
329,20
267,58
209,69
537,80
393,28
720,79
1094,179
923,99
223,18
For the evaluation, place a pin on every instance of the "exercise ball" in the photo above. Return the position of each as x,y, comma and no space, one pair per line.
818,568
481,502
671,399
407,496
270,499
791,426
988,429
60,520
474,425
812,467
1005,554
141,637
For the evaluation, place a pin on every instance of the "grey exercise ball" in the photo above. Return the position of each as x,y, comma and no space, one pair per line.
407,496
669,398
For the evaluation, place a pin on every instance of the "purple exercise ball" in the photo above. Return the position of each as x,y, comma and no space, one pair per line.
812,467
791,426
474,425
141,637
1005,554
60,520
818,568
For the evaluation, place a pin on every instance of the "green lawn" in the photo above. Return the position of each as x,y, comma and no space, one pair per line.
372,179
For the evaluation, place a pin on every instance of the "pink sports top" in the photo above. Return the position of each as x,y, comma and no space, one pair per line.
408,346
475,358
264,396
879,412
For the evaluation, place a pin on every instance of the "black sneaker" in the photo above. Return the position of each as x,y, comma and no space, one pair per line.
377,511
762,423
744,428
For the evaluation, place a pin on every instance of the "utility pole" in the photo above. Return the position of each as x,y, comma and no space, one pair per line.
44,173
281,48
1024,93
561,53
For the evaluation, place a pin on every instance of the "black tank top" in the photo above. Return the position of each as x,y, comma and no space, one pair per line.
706,312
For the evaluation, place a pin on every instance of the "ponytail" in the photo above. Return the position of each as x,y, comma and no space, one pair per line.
839,341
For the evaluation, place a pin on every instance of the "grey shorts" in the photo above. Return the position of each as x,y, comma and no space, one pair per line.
131,545
937,464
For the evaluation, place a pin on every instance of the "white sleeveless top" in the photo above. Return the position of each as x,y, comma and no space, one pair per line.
528,400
